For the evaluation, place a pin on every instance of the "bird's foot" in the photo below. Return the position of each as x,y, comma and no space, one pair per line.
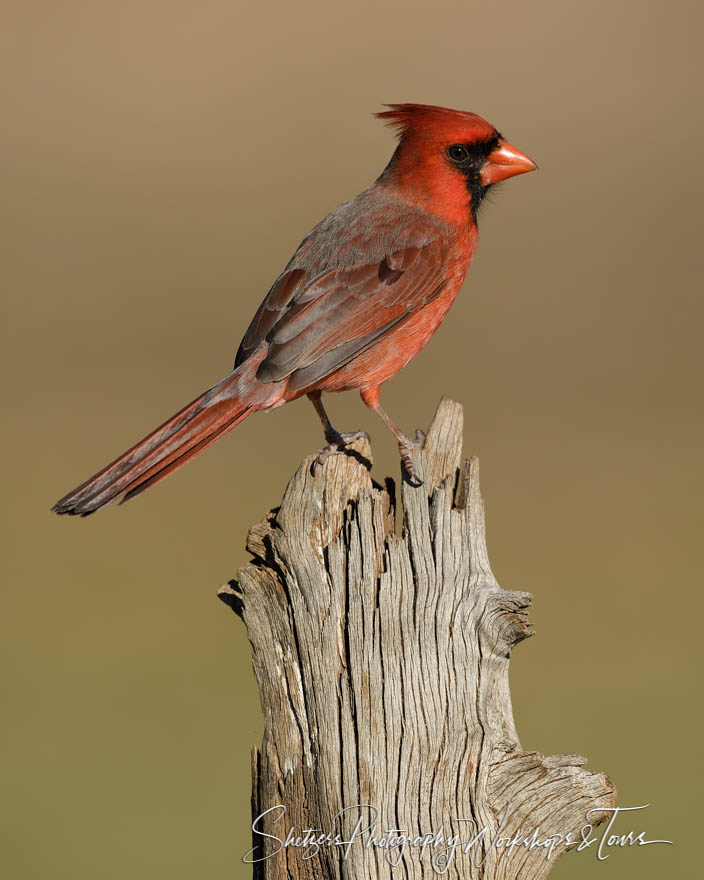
406,446
336,443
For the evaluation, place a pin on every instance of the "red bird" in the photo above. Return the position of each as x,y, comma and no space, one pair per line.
361,296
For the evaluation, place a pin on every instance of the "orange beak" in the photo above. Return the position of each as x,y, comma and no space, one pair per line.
504,162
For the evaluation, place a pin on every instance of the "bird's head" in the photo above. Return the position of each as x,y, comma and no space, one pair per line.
449,158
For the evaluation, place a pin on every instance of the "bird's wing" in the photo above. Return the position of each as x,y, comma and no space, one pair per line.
315,326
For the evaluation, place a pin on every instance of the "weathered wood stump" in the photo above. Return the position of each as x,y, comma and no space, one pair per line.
382,661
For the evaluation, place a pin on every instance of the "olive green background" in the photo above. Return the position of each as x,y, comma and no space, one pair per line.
161,161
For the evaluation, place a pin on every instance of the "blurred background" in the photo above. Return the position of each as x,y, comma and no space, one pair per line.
161,162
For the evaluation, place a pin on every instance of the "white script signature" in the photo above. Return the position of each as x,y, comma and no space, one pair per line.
440,847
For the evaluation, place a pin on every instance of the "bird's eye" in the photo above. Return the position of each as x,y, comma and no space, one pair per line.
458,153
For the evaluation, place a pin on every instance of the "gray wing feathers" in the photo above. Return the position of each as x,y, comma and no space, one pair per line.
353,278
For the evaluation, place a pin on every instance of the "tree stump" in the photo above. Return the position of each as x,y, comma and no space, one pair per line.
382,662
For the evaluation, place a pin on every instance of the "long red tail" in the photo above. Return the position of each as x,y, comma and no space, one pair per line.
171,445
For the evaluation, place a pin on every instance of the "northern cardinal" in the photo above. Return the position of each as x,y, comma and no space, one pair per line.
361,296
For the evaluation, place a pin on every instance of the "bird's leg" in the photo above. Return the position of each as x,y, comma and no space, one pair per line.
405,445
335,440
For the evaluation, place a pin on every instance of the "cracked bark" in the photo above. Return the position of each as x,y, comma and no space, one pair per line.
382,662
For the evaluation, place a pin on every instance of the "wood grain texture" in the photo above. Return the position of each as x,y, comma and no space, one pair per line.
382,661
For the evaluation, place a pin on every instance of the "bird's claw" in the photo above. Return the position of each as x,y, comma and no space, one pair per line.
406,446
336,443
